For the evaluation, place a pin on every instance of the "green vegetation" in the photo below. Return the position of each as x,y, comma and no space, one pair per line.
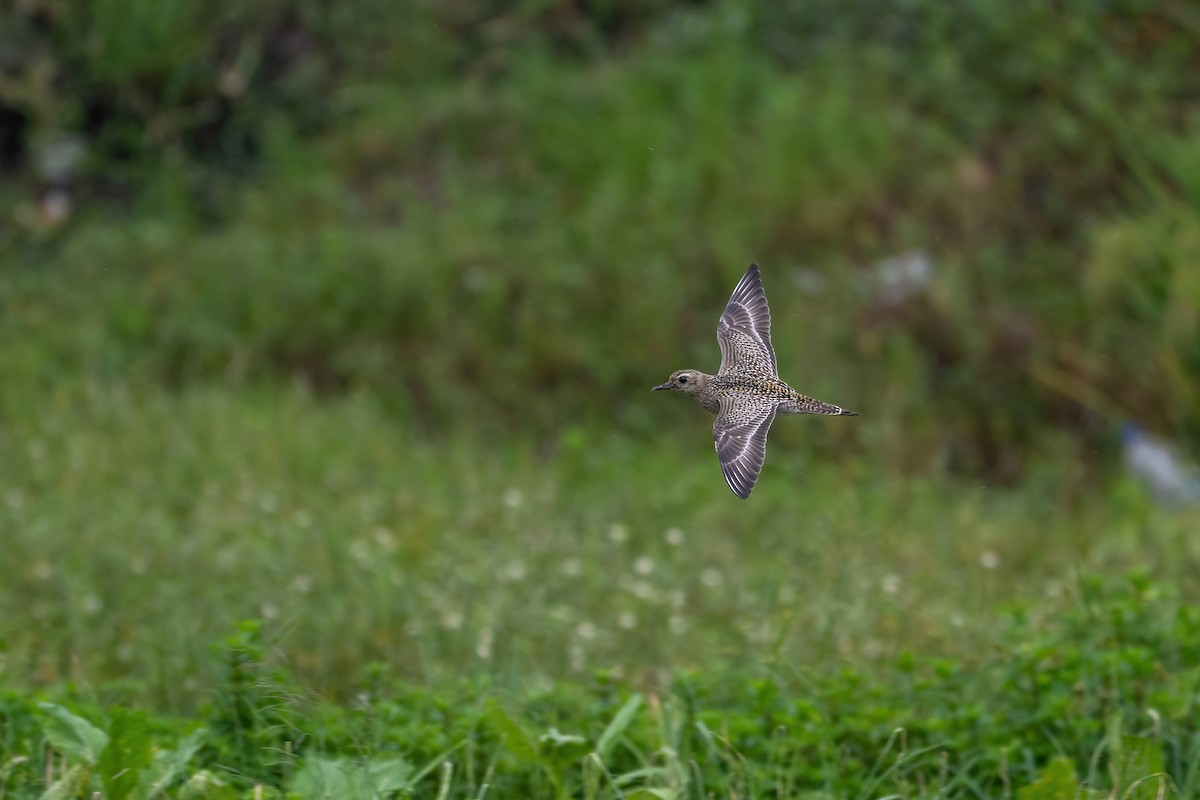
1103,692
328,465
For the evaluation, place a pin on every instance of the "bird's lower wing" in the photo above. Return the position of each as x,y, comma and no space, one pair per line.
740,436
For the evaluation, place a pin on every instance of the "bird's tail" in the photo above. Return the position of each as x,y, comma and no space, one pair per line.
807,405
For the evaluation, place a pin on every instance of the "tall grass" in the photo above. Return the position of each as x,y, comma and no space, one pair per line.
140,523
551,230
341,362
1095,698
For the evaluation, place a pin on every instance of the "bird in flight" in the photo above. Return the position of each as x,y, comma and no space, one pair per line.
746,394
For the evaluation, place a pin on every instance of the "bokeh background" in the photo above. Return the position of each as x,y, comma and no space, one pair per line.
343,315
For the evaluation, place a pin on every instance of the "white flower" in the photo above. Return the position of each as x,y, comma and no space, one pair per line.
483,645
514,572
360,551
202,784
585,631
627,620
383,537
890,584
710,577
302,583
643,566
641,590
618,533
512,497
91,604
673,537
572,567
575,656
988,559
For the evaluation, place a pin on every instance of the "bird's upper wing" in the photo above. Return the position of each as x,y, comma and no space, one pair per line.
740,436
744,331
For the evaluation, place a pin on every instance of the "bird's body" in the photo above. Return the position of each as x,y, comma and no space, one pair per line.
746,394
748,388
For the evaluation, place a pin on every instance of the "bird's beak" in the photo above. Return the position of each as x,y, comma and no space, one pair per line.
662,386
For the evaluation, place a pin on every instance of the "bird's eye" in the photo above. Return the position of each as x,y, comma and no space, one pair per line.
683,378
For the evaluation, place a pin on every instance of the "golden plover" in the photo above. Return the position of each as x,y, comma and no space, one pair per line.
746,394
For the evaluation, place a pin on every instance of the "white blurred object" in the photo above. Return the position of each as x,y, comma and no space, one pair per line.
1153,463
55,207
904,276
809,280
59,158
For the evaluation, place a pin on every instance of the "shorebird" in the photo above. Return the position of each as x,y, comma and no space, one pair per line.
746,394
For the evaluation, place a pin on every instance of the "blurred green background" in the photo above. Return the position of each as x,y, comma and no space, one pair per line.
343,315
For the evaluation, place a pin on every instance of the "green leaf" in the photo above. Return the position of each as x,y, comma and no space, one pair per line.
389,774
522,745
69,785
348,779
1140,768
516,739
618,725
73,736
129,751
326,778
651,794
168,765
1058,781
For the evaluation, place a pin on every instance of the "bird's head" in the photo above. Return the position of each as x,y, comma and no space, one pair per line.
688,381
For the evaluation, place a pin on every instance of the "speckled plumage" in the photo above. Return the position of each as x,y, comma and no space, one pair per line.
746,394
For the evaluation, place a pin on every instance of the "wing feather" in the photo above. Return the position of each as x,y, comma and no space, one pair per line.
740,437
744,330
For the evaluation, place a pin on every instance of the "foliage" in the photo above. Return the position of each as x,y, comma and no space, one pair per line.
943,728
140,523
515,205
339,318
